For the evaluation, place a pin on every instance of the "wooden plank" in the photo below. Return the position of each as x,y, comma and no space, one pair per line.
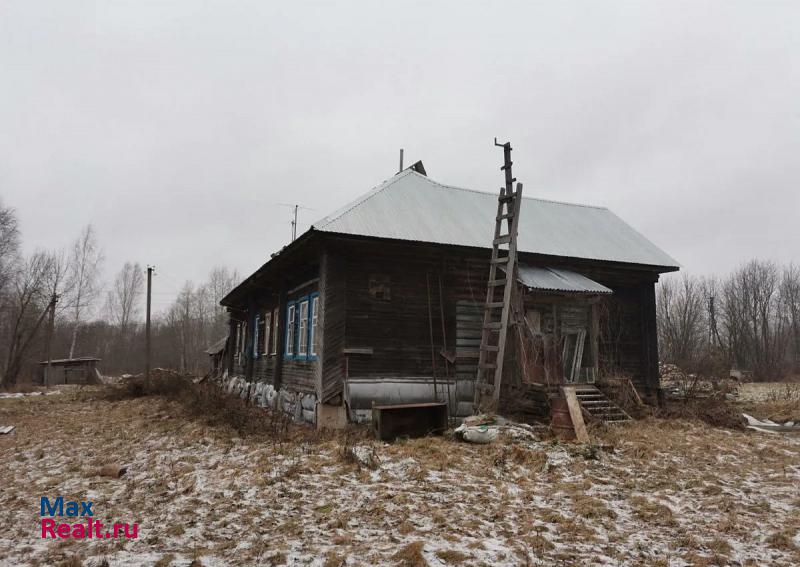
576,414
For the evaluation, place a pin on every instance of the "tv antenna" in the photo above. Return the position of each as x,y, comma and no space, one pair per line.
294,216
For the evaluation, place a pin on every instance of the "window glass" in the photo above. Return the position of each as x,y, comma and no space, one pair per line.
314,318
275,335
290,329
256,337
262,328
302,328
266,332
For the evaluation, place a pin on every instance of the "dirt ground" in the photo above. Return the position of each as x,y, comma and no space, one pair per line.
656,492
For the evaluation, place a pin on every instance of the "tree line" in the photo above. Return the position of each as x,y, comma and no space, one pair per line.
54,304
748,320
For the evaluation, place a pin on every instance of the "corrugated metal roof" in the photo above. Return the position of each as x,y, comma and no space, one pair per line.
217,346
410,206
554,279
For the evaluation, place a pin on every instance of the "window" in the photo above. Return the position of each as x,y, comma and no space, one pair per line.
262,334
266,327
302,340
302,328
290,310
274,349
314,318
242,338
380,287
256,337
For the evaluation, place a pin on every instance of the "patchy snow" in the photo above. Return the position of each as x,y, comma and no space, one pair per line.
651,493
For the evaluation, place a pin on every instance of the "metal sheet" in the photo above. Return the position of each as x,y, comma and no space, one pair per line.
553,279
411,206
363,393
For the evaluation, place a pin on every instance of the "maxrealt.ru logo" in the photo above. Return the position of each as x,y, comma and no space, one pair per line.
90,529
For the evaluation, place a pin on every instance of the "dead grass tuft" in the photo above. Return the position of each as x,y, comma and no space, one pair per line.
592,508
411,555
652,512
204,402
452,556
715,411
782,540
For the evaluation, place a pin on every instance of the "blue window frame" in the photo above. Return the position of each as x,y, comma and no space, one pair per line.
301,335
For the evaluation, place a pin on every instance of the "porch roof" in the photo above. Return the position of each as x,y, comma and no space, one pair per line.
556,279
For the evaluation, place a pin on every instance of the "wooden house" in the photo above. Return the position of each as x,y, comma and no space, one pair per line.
382,301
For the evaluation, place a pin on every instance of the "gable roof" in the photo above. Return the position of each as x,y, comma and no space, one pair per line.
411,206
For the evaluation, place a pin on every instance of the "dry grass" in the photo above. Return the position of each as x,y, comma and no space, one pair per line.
646,494
410,555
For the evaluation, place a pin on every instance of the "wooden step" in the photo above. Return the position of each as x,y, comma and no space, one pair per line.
493,326
505,216
502,239
496,283
490,348
494,305
507,198
500,260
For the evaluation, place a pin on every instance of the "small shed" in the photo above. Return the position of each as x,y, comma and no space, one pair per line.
69,371
216,353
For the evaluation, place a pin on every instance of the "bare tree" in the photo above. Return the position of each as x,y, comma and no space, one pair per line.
790,300
682,319
9,244
753,319
84,265
125,295
31,294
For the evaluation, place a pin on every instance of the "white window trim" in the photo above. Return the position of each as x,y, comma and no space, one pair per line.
313,327
302,328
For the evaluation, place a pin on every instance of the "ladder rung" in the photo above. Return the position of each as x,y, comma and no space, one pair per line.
494,304
500,260
505,216
504,239
492,325
488,367
495,283
507,198
490,348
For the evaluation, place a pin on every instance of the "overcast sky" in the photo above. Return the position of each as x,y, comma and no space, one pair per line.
176,127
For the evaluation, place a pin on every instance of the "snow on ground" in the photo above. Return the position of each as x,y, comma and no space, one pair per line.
658,492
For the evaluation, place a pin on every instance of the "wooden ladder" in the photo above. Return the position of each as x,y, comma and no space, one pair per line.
497,308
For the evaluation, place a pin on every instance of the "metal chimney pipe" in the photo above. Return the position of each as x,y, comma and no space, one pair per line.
401,160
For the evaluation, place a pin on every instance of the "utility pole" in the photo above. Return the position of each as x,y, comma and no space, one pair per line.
147,325
50,325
